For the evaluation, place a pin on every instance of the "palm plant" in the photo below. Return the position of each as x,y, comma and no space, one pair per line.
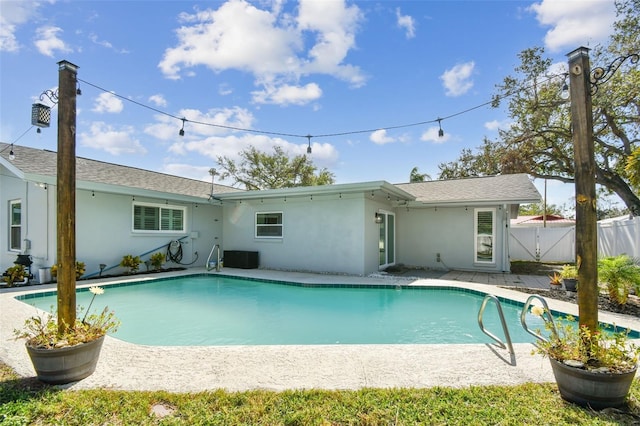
619,274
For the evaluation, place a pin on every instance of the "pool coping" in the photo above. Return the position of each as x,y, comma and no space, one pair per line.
128,366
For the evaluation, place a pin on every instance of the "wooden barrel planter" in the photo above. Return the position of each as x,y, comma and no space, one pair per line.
65,365
592,389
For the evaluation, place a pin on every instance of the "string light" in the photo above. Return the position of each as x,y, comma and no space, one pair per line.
308,136
324,135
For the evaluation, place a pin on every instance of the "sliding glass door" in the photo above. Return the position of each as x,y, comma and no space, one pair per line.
387,240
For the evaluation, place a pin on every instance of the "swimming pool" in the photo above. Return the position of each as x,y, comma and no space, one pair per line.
220,310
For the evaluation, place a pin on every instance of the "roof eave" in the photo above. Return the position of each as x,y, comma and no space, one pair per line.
349,188
470,203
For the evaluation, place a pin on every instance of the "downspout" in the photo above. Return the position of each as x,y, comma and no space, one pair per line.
26,221
46,258
506,264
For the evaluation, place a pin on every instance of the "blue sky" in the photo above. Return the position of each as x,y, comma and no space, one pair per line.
363,72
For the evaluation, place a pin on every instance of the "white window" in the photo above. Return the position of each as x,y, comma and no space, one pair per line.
485,235
269,225
158,217
15,225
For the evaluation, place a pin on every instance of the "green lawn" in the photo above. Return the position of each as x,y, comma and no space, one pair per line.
27,402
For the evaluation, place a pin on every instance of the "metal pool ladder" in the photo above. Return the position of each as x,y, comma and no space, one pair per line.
208,265
494,299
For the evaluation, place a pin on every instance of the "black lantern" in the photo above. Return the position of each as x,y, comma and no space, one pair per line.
40,115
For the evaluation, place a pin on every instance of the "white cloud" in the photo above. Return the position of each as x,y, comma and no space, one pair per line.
457,80
268,43
114,141
218,122
335,26
575,23
431,135
407,23
158,100
109,103
235,36
497,125
380,137
47,41
286,94
224,89
106,44
14,14
188,171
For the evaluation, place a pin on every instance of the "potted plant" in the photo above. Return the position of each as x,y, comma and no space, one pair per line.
555,281
80,270
65,357
132,263
15,274
591,369
157,259
618,275
569,276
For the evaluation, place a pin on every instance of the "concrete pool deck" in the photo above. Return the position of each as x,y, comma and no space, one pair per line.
127,366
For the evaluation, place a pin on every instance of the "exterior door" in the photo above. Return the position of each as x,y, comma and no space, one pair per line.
387,240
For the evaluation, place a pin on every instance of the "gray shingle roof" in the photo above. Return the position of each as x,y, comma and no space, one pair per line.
34,163
516,188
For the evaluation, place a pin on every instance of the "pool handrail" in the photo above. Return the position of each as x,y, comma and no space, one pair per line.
494,299
547,317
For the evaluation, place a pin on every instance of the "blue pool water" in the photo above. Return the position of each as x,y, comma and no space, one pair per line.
218,310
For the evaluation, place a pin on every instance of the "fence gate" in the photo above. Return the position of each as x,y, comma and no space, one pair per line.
542,244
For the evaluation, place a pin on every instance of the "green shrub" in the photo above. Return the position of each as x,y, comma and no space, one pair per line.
618,275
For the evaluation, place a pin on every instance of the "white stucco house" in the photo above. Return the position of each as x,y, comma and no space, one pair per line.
357,228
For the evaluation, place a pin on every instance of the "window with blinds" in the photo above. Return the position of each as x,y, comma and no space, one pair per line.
485,220
160,218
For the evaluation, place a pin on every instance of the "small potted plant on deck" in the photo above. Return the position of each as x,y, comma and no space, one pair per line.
591,369
65,355
569,276
555,281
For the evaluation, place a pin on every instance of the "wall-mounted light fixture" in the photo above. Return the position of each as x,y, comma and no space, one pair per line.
378,218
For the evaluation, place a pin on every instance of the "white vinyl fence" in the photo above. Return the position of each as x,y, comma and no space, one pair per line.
558,244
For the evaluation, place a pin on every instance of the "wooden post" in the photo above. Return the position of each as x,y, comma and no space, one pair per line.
585,180
66,193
